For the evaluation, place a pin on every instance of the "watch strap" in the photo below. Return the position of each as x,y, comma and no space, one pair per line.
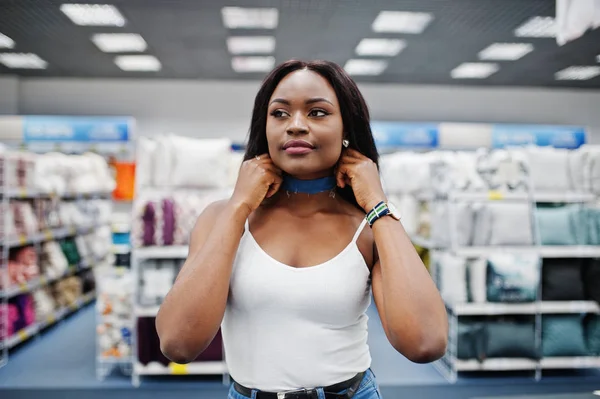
380,210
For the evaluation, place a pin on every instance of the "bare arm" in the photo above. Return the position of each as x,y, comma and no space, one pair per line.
409,304
191,313
411,309
190,316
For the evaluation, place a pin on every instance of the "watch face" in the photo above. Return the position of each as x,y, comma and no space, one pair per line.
393,211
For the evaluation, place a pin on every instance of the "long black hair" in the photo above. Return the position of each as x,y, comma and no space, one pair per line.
355,113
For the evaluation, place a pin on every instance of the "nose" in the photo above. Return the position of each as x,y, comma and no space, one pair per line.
297,124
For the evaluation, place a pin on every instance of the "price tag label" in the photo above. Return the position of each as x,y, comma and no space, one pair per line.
72,230
74,306
23,287
495,195
178,369
48,235
51,319
22,239
22,335
43,280
22,192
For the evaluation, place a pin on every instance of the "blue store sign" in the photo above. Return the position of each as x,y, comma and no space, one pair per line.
390,135
555,136
76,129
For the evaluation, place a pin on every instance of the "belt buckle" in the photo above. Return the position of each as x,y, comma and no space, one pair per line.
284,394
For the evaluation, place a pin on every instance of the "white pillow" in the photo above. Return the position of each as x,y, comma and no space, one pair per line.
503,223
200,163
452,278
548,169
144,170
478,280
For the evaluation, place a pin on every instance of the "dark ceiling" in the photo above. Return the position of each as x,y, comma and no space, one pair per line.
188,37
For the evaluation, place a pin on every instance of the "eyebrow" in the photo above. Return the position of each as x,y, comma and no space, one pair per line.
309,101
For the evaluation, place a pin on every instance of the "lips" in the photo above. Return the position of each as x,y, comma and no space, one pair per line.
298,143
298,147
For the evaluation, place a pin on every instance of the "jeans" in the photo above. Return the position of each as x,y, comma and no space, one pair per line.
368,389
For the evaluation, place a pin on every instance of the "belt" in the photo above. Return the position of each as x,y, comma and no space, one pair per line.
331,392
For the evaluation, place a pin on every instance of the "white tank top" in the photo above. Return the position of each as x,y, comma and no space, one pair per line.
287,328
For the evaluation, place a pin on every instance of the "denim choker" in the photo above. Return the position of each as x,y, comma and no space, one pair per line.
314,186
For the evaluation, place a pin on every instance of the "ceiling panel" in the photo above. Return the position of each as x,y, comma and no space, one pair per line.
189,39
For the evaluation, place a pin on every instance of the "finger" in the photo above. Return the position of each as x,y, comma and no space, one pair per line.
340,176
348,160
262,157
274,186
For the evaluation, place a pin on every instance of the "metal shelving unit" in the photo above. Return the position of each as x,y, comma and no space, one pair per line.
9,193
449,365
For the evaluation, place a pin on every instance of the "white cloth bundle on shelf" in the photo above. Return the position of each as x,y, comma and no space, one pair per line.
592,167
55,262
442,229
100,242
45,305
548,168
51,171
477,272
452,281
192,163
82,246
145,162
503,223
503,170
406,172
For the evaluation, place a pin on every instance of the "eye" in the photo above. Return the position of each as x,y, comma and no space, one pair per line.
278,113
318,113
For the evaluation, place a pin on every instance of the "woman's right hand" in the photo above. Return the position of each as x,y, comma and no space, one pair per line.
258,179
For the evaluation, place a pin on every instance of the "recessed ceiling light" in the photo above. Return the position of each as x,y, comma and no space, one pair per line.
252,64
6,42
365,67
251,44
505,51
141,63
537,27
578,73
380,47
401,22
22,61
119,42
93,14
474,70
250,18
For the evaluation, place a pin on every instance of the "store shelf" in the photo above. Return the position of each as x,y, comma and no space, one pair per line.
28,332
583,362
167,252
51,234
549,307
194,368
121,249
146,311
562,197
500,364
582,251
42,281
25,193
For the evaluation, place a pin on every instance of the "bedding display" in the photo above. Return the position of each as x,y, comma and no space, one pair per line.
56,173
54,233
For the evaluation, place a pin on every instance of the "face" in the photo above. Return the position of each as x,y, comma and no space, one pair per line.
304,125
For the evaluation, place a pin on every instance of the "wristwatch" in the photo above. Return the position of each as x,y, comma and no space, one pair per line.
380,210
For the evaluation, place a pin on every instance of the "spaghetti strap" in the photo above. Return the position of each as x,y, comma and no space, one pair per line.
359,230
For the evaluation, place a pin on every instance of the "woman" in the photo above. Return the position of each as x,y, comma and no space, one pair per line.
286,265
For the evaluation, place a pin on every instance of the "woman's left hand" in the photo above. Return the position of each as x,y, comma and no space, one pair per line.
361,173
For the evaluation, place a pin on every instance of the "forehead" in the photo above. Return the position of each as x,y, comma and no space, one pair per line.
304,84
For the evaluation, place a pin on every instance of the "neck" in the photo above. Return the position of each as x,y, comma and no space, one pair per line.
306,196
